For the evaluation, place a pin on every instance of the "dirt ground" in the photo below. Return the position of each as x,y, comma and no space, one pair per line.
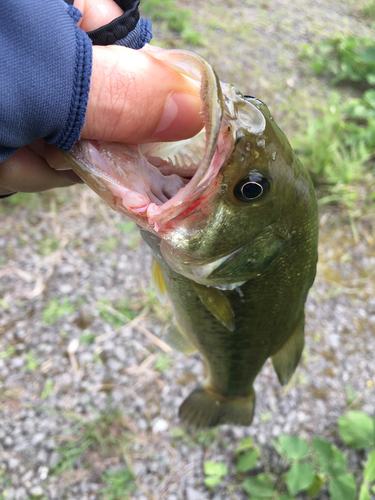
86,386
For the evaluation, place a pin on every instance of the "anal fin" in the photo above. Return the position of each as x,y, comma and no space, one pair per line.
217,303
286,359
175,339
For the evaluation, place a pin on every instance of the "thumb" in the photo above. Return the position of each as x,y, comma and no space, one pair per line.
135,98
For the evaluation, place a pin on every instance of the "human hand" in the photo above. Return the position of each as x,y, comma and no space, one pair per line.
133,98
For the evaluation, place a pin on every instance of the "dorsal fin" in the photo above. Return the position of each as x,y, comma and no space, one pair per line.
217,303
158,281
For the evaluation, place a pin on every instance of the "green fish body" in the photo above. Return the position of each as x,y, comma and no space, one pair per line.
235,244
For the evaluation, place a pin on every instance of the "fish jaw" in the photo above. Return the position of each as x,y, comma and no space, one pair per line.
92,160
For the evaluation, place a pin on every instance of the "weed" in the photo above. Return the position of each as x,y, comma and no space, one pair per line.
214,471
368,10
8,353
127,227
117,314
47,390
117,484
337,148
5,481
109,245
310,467
345,58
100,435
48,245
55,311
162,362
87,338
31,363
173,18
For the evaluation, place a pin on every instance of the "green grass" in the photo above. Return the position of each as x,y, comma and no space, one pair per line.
118,484
173,18
105,434
55,310
368,10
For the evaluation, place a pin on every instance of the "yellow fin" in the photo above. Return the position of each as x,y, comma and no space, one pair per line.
217,303
205,408
158,281
286,359
175,339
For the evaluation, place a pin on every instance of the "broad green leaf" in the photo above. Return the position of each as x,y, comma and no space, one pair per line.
342,487
299,477
259,486
331,460
247,461
339,461
323,451
357,429
294,446
369,471
368,55
369,96
283,497
245,444
315,486
364,492
215,468
277,446
212,481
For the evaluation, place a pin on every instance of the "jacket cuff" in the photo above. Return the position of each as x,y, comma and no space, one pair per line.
81,87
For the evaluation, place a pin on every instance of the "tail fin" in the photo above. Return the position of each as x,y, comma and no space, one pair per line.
206,408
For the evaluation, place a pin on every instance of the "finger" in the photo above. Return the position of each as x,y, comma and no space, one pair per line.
136,98
28,172
97,13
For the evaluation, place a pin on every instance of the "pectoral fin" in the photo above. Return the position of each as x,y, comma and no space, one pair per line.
158,281
217,303
286,359
175,339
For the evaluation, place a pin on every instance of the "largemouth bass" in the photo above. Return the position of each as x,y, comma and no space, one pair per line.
231,217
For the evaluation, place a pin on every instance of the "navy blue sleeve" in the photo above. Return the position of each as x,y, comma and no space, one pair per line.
45,69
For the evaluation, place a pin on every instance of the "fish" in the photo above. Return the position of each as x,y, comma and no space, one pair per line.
231,218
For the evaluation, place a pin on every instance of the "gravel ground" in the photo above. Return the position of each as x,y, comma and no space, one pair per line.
81,366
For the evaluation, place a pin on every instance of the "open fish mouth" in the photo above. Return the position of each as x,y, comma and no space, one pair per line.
154,183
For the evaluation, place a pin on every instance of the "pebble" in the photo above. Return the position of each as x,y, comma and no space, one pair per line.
37,492
160,425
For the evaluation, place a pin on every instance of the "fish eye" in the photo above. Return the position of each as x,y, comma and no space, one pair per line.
252,188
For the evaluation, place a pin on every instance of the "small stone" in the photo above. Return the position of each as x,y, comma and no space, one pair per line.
20,494
160,425
54,459
120,353
8,442
193,494
27,476
38,438
36,492
114,365
42,456
13,463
